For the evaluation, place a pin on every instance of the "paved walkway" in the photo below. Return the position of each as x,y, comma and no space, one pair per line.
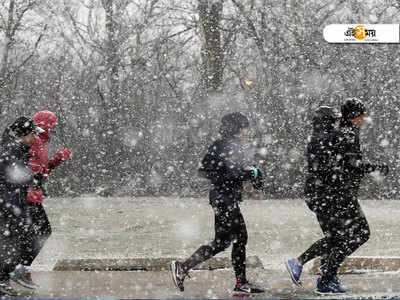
91,227
203,284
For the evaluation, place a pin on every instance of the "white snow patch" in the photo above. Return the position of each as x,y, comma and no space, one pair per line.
384,143
17,173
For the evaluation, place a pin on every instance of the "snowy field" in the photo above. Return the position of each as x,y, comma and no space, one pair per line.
94,227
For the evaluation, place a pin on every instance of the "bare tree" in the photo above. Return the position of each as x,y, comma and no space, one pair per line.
132,59
15,17
212,54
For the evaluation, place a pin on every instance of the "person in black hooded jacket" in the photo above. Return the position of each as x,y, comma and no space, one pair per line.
347,222
338,211
224,165
322,182
353,229
15,178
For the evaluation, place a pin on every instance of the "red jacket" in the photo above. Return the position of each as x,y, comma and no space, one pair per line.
40,163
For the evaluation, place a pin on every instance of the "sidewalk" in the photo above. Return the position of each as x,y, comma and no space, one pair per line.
203,284
92,227
109,228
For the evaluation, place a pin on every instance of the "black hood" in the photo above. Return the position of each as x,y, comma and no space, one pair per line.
324,118
10,141
232,123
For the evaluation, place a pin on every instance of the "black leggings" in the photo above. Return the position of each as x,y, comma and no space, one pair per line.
344,233
14,230
229,228
41,231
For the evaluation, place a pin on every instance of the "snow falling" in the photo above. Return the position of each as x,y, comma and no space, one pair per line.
140,87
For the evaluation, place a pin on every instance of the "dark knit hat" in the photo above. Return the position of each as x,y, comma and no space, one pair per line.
24,126
232,123
352,109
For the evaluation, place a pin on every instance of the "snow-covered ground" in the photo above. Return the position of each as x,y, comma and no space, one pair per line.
94,227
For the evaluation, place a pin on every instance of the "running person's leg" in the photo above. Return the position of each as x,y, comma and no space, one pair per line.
239,242
223,238
41,229
229,227
352,232
320,248
358,232
12,234
33,243
329,283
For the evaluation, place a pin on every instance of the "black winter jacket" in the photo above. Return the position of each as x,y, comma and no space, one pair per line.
324,168
335,169
15,174
353,166
224,165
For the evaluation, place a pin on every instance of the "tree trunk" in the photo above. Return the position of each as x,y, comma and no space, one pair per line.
212,51
4,71
111,114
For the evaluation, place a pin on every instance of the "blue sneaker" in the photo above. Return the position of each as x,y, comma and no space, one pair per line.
329,287
294,268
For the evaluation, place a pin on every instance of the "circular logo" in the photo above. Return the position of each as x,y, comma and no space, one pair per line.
360,32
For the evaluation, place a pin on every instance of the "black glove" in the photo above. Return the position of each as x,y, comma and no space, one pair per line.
38,181
258,182
384,169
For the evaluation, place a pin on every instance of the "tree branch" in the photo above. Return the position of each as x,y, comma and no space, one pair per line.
253,31
34,48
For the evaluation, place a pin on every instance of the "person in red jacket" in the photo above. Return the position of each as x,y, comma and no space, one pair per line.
40,163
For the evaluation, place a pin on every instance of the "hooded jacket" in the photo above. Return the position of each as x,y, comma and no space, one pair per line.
354,167
39,160
225,167
39,152
335,168
324,166
224,164
15,173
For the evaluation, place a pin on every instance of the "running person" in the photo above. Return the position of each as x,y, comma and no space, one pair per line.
41,228
335,200
224,166
15,178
